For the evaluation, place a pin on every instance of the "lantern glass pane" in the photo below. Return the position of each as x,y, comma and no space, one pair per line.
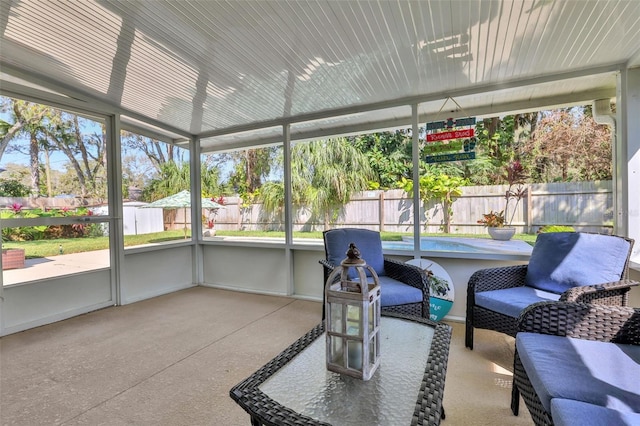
354,360
372,350
337,350
336,322
372,315
353,320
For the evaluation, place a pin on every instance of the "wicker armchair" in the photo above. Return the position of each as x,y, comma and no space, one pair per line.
405,288
550,251
615,324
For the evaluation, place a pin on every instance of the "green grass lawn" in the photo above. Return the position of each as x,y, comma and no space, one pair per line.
44,248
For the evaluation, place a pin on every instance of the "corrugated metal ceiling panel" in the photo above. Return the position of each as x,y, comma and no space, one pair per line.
203,67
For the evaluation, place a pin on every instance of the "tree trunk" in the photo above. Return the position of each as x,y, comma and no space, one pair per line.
34,164
47,171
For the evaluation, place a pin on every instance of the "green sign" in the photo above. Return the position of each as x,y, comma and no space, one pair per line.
443,158
440,147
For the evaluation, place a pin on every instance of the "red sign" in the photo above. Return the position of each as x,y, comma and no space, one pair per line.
454,134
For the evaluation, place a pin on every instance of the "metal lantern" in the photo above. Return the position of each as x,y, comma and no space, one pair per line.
353,318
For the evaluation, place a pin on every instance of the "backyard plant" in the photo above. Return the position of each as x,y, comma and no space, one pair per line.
210,219
47,232
515,177
493,219
443,188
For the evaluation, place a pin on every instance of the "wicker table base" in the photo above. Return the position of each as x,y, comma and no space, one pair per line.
288,391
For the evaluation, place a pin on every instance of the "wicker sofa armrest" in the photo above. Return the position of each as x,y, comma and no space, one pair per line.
497,278
613,293
408,274
615,324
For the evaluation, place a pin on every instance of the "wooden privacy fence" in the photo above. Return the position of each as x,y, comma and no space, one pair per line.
587,206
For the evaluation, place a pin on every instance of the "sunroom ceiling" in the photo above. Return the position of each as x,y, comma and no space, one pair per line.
234,71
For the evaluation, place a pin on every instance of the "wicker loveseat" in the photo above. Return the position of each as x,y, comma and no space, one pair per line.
578,364
565,266
405,288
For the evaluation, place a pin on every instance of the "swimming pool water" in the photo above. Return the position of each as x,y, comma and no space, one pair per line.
432,245
460,245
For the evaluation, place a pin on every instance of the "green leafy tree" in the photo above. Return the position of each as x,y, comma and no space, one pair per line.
211,184
500,140
389,154
442,188
252,168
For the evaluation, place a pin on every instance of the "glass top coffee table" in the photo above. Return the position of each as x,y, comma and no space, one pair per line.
296,388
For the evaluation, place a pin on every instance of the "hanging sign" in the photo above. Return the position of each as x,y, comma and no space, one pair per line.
450,123
455,134
455,144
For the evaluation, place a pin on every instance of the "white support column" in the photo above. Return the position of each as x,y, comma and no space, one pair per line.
196,209
628,158
286,153
115,197
288,208
415,153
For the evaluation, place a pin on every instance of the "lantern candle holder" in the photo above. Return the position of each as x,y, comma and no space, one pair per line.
353,317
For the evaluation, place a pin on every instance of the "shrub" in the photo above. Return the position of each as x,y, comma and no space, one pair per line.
13,188
555,228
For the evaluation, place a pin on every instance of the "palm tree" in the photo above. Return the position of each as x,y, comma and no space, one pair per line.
27,119
171,179
324,176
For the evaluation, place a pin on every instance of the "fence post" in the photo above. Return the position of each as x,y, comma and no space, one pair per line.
527,219
381,211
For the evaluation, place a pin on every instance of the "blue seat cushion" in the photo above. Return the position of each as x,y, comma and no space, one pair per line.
394,292
511,301
562,260
567,412
336,244
599,373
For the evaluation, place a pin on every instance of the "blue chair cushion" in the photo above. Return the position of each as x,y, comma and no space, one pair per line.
562,260
511,301
600,373
394,292
336,243
566,412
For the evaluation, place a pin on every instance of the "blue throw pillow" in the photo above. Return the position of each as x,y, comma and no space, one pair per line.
562,260
336,244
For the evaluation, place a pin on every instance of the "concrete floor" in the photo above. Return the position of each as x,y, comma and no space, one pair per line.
171,360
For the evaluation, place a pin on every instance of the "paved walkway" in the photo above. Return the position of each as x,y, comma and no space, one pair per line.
46,267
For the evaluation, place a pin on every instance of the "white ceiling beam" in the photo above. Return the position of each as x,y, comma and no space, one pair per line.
529,105
473,90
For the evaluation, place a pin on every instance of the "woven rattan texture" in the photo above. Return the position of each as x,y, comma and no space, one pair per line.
615,324
612,294
265,411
